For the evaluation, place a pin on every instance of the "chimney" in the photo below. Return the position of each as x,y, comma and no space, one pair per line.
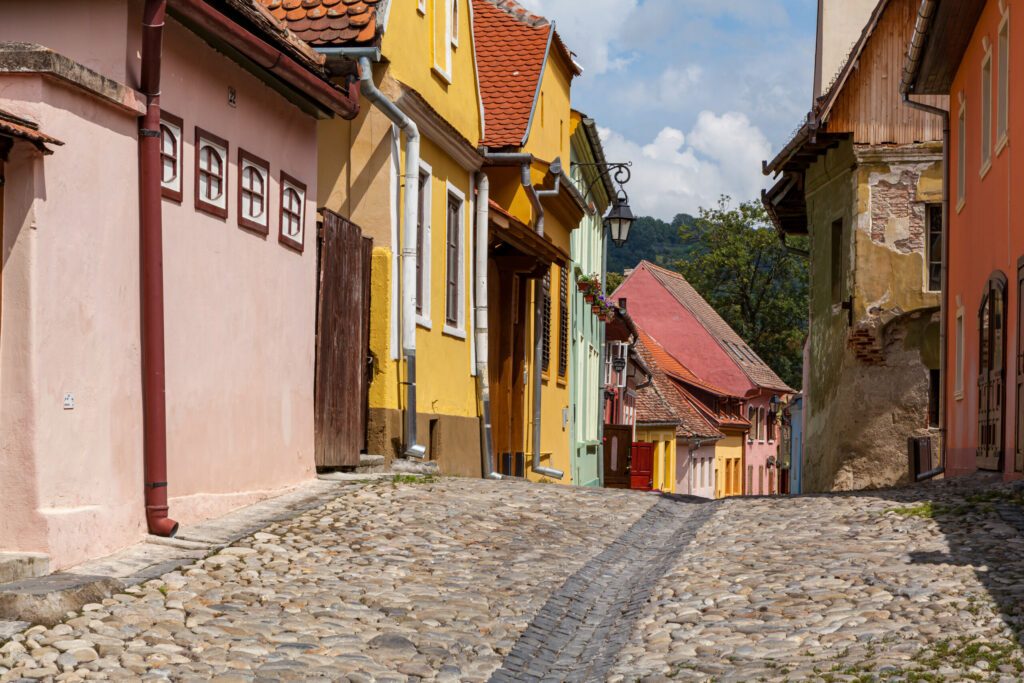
840,24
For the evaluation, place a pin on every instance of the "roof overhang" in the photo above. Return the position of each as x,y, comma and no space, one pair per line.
16,128
941,36
507,229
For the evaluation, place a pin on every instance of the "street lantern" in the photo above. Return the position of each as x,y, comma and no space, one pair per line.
619,220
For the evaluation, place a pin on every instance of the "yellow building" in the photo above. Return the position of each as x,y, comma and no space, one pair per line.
525,75
404,171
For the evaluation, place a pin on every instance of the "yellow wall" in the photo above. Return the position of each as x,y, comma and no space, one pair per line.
414,44
552,116
729,467
360,179
664,441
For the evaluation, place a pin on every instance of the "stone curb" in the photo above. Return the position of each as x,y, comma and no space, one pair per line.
46,600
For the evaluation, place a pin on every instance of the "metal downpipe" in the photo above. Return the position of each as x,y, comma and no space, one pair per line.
409,246
944,308
483,380
154,398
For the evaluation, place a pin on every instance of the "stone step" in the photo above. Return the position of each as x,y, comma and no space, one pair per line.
371,464
424,467
18,566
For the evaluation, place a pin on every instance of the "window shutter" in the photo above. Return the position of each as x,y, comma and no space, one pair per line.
546,329
563,322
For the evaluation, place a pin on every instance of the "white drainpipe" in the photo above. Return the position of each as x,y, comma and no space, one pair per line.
483,380
409,246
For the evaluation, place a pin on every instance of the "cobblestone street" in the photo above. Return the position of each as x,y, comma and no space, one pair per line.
473,580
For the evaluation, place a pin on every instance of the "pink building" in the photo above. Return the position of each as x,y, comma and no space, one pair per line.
135,368
668,308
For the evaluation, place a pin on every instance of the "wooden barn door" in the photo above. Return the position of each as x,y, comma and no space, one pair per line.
641,467
1018,461
343,342
992,373
617,442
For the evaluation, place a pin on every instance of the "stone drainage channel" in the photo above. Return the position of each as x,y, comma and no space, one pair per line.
580,630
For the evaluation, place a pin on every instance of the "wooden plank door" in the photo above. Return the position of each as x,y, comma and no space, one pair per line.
641,467
618,440
1018,460
343,335
992,374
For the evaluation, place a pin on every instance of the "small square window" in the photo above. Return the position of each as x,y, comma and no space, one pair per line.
253,183
211,174
170,156
293,213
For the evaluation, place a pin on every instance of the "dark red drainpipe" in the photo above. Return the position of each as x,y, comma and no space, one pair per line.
154,404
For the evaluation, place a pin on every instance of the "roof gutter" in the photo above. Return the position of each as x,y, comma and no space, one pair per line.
270,58
912,64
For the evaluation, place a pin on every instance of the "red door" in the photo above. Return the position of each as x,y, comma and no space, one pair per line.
641,467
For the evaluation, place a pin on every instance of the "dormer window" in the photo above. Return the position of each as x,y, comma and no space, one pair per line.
253,181
293,213
170,156
211,174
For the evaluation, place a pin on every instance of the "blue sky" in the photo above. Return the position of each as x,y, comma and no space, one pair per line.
695,92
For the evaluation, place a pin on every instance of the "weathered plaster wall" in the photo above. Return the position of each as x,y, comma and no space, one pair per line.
867,374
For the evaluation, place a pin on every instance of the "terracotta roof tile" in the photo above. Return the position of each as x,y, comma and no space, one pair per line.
330,22
663,398
749,362
12,126
669,364
510,48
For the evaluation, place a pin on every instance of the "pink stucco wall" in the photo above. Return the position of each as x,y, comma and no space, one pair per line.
657,312
757,452
691,479
240,308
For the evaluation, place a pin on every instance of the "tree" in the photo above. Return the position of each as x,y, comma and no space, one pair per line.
745,272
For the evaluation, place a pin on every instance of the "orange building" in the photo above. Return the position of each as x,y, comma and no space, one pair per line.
965,49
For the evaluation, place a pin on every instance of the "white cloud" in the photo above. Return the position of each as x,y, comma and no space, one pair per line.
588,28
680,173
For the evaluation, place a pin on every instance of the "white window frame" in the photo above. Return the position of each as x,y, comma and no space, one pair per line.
459,330
421,6
621,351
248,161
174,186
1003,85
445,49
961,170
297,242
958,337
453,37
986,113
217,205
424,319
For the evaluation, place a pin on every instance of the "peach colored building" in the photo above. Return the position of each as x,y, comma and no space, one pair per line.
81,372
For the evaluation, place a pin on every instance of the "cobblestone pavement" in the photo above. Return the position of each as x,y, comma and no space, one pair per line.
472,580
923,584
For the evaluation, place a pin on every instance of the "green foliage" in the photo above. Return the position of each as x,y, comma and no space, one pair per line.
614,280
652,240
738,264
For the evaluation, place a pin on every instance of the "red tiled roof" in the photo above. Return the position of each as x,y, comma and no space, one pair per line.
511,45
669,364
663,398
329,22
12,126
734,346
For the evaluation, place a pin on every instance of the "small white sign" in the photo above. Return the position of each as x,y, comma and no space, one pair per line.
69,401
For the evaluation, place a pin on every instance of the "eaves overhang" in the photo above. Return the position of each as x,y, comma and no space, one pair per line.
942,32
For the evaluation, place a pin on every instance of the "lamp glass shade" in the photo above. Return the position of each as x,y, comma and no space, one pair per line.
619,221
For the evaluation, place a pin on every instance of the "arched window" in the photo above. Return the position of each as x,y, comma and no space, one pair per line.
211,174
253,179
991,372
293,200
170,156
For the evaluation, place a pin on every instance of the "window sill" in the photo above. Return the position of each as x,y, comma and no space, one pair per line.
1003,143
985,169
960,205
453,332
959,396
442,74
425,323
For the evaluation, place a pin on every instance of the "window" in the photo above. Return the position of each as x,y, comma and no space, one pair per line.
933,216
455,23
1003,97
836,261
421,6
211,174
563,321
986,113
293,213
444,38
934,390
961,158
423,261
752,419
170,156
454,276
958,386
750,480
760,425
253,181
